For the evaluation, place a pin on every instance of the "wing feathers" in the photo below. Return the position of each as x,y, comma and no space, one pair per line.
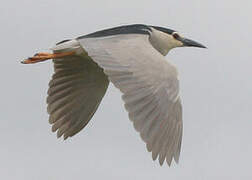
75,92
150,89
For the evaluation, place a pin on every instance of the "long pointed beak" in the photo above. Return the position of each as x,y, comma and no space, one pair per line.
191,43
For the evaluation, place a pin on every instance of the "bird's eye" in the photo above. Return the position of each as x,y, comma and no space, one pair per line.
175,35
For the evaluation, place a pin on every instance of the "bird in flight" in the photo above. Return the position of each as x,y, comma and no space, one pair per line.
132,57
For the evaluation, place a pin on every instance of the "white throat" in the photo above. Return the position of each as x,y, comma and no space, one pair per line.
163,42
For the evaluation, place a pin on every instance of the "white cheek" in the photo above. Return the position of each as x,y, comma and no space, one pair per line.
175,43
171,43
163,42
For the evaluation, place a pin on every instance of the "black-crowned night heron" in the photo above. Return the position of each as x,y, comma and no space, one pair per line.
132,58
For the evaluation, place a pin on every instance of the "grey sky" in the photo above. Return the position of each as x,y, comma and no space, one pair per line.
215,88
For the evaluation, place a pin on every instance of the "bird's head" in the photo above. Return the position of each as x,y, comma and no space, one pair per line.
184,42
165,39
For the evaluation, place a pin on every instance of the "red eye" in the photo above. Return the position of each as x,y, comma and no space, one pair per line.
175,35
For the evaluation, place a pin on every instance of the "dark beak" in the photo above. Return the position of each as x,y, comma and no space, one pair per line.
191,43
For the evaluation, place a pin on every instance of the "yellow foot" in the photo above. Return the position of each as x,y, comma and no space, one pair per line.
39,57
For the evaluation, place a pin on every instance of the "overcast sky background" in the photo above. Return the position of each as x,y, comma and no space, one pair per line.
215,88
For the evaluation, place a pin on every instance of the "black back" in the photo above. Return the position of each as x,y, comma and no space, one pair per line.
128,29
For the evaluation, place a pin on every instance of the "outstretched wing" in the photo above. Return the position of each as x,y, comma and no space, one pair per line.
75,92
150,89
